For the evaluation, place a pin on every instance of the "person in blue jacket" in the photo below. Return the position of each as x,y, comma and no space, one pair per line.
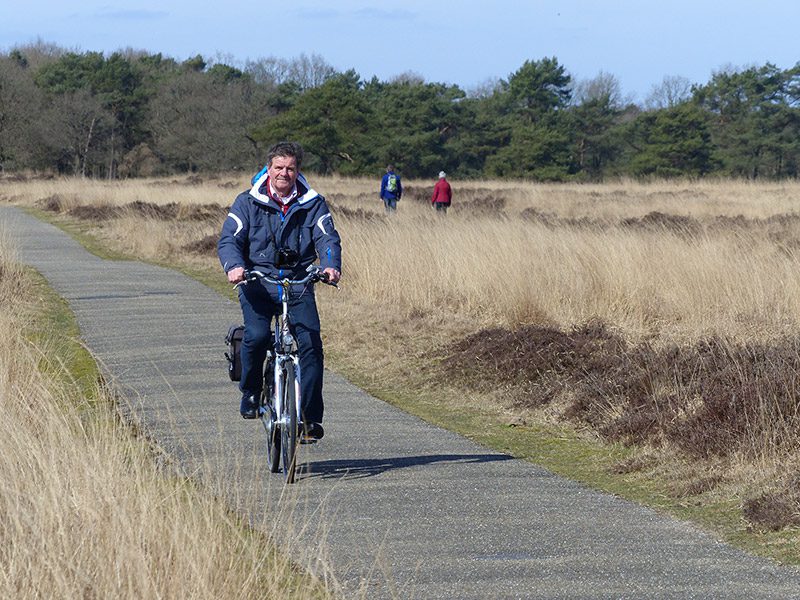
280,226
391,189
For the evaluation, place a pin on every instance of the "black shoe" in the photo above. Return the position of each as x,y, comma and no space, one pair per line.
248,407
312,432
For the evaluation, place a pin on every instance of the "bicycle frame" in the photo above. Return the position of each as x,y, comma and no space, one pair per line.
285,349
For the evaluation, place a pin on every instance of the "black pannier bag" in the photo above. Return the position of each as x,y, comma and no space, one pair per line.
234,353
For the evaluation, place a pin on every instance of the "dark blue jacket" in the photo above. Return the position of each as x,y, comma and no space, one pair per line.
256,228
388,195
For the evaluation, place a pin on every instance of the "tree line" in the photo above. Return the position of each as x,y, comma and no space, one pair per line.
132,113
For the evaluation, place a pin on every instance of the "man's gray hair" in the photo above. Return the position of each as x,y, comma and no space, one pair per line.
286,149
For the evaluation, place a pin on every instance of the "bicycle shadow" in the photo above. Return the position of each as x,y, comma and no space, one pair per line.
369,467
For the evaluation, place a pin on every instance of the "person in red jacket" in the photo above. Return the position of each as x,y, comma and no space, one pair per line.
442,194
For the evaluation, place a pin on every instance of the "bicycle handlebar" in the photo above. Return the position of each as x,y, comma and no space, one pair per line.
315,274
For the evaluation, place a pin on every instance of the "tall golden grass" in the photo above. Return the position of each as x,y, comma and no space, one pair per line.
576,263
85,512
515,272
662,263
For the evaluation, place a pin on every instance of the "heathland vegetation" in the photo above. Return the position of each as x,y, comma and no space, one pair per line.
132,113
640,337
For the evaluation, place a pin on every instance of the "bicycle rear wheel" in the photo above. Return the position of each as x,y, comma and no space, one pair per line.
288,425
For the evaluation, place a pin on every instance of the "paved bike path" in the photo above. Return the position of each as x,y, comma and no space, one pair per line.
394,506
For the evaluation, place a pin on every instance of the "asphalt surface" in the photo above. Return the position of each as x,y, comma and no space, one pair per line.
389,505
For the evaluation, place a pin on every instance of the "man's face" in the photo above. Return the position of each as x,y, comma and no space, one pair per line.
283,173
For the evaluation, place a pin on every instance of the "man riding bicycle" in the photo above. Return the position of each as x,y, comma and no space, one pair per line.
280,227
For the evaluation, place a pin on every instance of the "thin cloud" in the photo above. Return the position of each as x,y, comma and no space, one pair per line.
382,13
131,14
360,14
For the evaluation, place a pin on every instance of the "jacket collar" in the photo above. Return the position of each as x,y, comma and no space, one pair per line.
305,193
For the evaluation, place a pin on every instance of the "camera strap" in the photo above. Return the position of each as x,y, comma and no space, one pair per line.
272,231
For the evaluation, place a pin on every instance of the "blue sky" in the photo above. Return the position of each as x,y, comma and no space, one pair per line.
465,43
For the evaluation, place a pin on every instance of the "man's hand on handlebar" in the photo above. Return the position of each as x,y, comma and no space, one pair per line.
332,276
236,275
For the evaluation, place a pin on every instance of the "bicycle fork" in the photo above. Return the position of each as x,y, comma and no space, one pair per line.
278,383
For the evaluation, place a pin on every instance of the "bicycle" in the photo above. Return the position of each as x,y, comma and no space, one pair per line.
279,404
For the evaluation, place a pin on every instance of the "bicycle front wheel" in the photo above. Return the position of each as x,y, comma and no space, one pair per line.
288,421
269,418
270,422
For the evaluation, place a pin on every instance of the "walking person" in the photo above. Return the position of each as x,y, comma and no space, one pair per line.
391,189
280,226
442,194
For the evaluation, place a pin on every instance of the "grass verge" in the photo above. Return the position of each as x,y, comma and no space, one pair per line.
87,510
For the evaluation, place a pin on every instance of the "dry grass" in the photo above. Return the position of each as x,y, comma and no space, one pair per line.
674,260
507,272
671,308
85,512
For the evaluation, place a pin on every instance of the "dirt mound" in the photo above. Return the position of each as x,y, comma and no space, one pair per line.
774,510
419,194
491,205
658,221
54,203
175,211
481,202
537,216
730,223
150,210
191,180
786,219
713,399
671,194
95,212
14,177
204,246
542,361
357,214
214,213
553,221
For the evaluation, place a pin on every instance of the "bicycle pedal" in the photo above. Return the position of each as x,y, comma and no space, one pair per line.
308,440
